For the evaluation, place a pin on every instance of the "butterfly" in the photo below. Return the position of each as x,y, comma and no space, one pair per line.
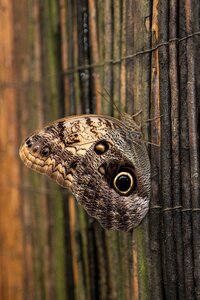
102,160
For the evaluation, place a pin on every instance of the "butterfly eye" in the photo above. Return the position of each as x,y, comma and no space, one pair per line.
45,151
124,183
101,147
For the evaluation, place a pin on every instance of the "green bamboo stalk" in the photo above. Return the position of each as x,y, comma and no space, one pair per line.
53,106
30,101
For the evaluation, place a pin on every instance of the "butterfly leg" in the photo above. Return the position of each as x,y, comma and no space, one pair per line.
153,119
138,124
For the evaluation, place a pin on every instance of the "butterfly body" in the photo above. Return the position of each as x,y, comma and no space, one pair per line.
102,160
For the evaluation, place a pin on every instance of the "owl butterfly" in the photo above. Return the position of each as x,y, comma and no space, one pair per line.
103,161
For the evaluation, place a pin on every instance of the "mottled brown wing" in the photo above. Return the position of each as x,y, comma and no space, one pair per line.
118,155
102,160
56,149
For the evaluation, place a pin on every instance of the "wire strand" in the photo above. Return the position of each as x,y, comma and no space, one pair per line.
25,84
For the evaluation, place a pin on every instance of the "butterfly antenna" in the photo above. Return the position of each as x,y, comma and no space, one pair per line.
111,100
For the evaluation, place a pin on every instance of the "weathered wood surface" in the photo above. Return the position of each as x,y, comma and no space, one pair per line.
56,59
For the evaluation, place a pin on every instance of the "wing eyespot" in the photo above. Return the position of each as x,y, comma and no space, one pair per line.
101,147
45,151
74,165
29,143
124,183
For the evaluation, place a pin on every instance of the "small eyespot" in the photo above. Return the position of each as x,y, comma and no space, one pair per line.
102,170
124,183
29,143
45,151
74,164
101,147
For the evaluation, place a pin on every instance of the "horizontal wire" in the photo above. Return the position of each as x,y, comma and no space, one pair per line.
119,60
17,84
181,208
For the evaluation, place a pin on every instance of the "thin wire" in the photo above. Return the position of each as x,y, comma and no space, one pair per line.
181,208
25,84
119,60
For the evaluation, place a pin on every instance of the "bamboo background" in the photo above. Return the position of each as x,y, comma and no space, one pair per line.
55,58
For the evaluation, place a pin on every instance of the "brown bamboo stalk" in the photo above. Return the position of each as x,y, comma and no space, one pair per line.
108,50
139,85
83,38
101,33
123,64
175,130
64,53
116,53
129,50
194,144
71,19
156,290
94,52
76,82
185,165
169,261
12,271
29,121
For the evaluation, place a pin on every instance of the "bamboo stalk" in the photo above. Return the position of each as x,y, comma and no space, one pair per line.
11,226
123,64
169,261
83,40
175,131
76,83
185,166
48,214
108,53
101,34
139,86
116,53
194,145
64,53
93,34
129,50
156,290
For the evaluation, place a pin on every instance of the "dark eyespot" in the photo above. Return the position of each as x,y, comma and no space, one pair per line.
45,151
124,183
101,147
74,164
29,143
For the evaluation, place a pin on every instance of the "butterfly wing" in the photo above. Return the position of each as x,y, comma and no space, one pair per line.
102,181
102,160
56,149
